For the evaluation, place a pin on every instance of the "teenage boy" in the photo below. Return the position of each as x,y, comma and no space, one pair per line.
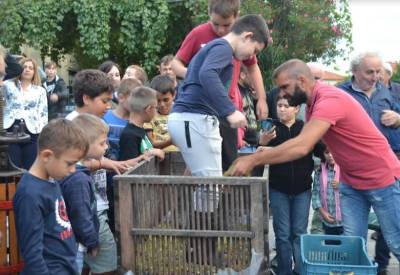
45,237
134,142
93,94
223,14
57,92
157,129
193,123
79,192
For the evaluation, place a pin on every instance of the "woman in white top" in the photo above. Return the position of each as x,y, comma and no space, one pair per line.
25,100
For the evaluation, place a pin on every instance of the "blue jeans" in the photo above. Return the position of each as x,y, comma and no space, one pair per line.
356,204
382,252
290,219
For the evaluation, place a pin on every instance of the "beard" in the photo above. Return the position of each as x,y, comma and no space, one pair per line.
299,97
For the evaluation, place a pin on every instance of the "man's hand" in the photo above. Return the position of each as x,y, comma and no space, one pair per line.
262,109
326,216
390,118
237,120
53,98
241,167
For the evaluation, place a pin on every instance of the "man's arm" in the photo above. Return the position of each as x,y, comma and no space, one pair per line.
258,84
179,67
292,149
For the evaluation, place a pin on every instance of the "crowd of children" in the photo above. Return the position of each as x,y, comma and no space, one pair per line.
64,202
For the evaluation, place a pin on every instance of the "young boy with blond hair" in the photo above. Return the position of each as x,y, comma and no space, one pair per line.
134,140
44,232
89,225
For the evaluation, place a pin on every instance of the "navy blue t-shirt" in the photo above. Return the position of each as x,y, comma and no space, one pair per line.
204,90
44,232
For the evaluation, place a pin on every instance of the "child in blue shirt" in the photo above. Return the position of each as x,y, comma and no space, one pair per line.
44,232
79,190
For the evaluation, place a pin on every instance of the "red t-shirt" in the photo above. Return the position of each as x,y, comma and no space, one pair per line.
362,152
196,39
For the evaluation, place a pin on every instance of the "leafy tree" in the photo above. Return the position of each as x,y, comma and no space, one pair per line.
304,29
396,73
141,31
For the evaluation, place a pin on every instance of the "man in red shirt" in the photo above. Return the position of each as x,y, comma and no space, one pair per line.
369,168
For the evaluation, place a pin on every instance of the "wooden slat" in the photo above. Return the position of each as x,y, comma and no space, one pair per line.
12,231
3,227
190,233
184,180
125,213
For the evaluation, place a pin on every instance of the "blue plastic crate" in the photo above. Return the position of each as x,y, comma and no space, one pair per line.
335,255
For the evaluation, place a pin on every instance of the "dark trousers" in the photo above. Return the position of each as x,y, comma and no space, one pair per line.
229,143
382,252
23,154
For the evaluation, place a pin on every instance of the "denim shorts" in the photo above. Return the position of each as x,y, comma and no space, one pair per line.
106,258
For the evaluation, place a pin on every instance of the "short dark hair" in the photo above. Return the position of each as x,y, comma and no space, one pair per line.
60,135
294,68
224,8
92,83
107,66
163,84
255,24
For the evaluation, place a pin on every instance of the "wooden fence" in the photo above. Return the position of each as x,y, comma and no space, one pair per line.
170,224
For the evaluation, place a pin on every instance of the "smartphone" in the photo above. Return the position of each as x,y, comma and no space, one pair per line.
266,124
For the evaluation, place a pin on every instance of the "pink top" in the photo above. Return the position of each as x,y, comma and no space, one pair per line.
358,147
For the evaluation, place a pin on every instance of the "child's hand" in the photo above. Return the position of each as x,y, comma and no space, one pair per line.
267,136
93,252
158,153
335,184
326,216
237,120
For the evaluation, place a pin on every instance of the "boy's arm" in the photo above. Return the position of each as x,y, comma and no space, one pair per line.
30,229
258,84
158,144
188,49
76,193
316,202
179,67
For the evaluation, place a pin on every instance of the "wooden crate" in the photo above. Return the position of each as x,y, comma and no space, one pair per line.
162,229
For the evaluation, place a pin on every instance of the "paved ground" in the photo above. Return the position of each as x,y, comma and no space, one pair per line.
394,268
